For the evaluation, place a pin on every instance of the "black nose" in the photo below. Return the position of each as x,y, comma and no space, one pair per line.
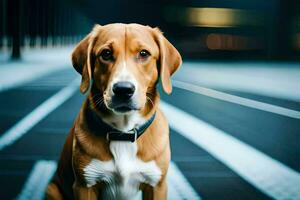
123,89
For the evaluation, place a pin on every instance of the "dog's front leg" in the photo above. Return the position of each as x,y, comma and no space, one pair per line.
158,192
84,193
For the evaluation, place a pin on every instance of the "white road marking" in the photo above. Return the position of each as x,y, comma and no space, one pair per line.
34,64
36,115
179,187
237,100
17,77
274,79
34,188
265,173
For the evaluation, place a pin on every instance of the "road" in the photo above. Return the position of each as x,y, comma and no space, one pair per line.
226,143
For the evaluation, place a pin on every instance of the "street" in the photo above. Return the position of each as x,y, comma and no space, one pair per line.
233,136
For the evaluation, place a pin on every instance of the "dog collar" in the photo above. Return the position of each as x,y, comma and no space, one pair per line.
131,135
113,134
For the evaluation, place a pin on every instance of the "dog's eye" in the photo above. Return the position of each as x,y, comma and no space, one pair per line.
144,54
106,54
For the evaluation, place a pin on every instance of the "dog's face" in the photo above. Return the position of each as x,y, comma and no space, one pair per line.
125,62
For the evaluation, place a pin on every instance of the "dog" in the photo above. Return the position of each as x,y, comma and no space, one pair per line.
119,143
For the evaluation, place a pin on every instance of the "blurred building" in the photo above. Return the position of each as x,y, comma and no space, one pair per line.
201,29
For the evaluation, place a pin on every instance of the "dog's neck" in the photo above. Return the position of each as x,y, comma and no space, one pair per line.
124,122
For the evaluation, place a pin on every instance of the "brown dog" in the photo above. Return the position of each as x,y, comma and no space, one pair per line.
119,143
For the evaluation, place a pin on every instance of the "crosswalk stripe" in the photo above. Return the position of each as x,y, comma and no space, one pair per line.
34,188
36,115
237,100
265,173
179,187
19,74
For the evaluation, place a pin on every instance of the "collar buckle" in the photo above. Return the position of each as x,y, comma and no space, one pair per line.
118,135
135,134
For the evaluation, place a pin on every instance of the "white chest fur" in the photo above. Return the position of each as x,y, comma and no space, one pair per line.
124,173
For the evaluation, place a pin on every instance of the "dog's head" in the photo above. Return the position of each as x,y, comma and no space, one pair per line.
124,62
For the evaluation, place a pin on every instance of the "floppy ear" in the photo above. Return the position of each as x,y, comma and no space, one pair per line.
170,60
81,60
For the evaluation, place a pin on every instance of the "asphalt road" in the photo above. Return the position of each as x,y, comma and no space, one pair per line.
212,174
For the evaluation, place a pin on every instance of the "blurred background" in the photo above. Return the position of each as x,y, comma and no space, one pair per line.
234,112
227,29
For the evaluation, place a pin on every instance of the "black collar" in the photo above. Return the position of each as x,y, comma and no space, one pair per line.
113,134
